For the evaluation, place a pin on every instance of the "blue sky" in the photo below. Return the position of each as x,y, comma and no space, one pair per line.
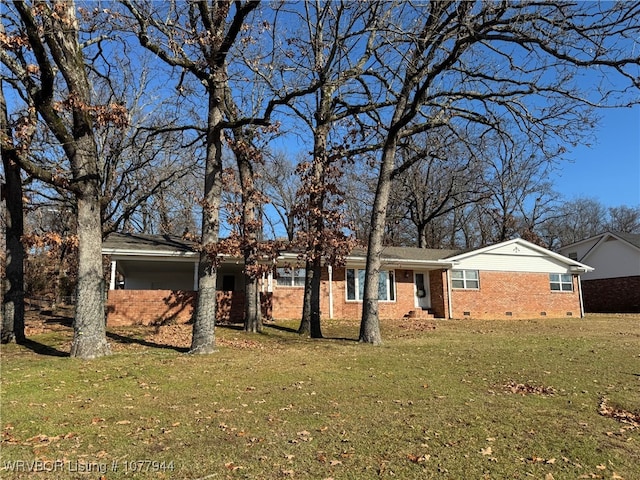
609,171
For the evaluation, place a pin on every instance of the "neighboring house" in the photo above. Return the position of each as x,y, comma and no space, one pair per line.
154,280
614,285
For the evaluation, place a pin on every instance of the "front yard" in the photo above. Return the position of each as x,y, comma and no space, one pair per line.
546,399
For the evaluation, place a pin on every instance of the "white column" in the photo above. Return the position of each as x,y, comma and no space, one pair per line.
270,282
112,280
450,302
330,291
195,277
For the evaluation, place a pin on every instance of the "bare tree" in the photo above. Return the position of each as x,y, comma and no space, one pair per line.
624,219
329,53
444,178
44,55
279,184
509,67
199,36
12,287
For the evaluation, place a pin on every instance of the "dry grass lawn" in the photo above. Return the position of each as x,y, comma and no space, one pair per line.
546,399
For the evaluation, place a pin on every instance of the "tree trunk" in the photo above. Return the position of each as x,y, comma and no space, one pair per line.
89,325
203,339
13,288
251,229
252,313
370,323
12,308
310,324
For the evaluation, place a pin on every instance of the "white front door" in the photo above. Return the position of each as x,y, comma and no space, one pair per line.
421,290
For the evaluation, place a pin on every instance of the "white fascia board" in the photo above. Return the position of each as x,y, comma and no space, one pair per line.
403,263
426,264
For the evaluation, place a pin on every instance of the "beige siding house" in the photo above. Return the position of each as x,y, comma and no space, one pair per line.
614,284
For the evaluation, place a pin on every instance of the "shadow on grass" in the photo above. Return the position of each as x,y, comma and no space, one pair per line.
230,326
294,330
42,349
145,343
280,328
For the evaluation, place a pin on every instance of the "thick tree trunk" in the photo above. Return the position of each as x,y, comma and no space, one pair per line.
12,308
203,339
13,288
89,325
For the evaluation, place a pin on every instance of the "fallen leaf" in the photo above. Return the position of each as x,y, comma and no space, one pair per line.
486,451
333,463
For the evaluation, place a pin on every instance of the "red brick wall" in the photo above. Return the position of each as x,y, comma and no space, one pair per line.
153,307
287,301
612,295
524,295
439,293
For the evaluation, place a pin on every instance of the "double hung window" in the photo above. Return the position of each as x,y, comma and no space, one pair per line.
466,279
561,282
386,285
290,277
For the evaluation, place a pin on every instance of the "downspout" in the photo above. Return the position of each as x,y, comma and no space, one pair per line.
449,300
330,269
580,296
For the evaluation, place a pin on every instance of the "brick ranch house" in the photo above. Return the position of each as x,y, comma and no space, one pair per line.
614,285
153,279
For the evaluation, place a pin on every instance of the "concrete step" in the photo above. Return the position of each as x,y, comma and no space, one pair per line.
421,314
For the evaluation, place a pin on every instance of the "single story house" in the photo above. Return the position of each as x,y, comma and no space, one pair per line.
153,279
614,285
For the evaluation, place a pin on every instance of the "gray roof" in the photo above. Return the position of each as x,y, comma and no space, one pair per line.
139,241
173,243
409,253
632,238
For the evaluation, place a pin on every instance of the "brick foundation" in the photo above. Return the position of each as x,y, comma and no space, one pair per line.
612,295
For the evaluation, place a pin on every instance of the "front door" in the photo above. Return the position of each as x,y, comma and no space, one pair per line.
421,290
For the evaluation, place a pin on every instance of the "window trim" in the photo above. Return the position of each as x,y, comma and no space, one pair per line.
289,273
560,282
390,283
466,280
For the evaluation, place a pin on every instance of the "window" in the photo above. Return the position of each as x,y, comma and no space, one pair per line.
561,282
468,279
386,285
290,277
